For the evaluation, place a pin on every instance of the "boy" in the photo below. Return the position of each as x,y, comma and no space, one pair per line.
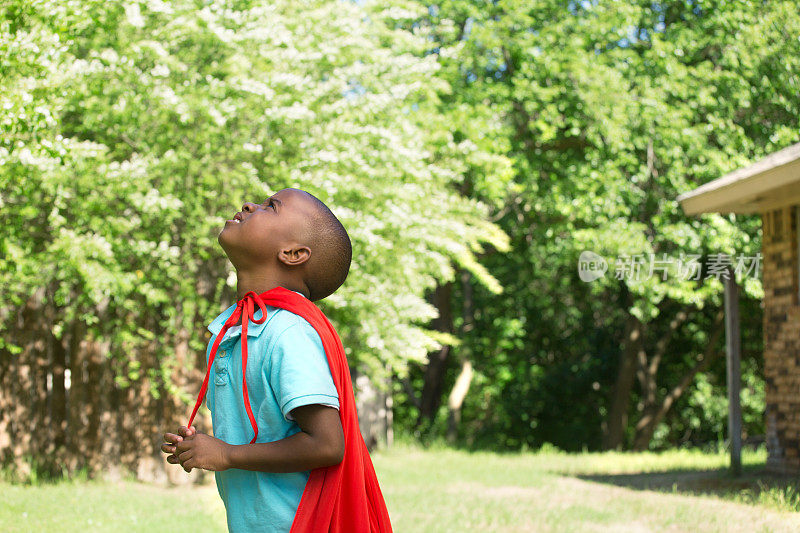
286,452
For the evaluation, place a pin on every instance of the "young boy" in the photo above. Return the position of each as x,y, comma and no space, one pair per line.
286,452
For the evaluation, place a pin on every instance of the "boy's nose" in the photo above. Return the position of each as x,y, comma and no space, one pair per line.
249,207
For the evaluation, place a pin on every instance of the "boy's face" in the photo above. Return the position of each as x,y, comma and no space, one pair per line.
256,234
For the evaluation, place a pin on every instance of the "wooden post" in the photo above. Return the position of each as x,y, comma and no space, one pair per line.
733,356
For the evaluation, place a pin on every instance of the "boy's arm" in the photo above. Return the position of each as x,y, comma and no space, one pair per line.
319,443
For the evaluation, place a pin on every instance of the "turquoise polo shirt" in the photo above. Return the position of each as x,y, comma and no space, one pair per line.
286,368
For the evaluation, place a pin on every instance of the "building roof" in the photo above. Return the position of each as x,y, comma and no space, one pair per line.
770,183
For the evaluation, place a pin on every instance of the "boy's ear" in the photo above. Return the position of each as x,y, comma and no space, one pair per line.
294,255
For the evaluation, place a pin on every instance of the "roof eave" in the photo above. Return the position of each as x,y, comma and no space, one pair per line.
767,184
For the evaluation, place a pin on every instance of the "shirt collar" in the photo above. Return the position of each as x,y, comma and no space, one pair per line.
253,329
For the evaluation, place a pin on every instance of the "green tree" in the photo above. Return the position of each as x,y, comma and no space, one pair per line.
132,130
611,110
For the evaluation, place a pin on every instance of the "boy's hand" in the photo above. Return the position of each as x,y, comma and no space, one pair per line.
172,439
203,451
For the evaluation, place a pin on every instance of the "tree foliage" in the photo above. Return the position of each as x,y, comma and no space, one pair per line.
468,145
132,130
610,111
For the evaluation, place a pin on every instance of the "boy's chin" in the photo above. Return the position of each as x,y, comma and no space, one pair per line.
225,241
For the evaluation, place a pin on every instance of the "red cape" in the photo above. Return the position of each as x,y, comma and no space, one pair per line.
343,498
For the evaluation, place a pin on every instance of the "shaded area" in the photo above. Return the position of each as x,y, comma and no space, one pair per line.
755,485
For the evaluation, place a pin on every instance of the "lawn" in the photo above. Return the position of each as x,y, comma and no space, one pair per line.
446,490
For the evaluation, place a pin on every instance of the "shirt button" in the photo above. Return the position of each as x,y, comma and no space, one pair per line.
223,354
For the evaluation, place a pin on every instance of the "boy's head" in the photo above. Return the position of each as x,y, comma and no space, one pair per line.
291,239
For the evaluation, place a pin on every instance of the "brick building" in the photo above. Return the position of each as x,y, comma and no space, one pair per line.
771,187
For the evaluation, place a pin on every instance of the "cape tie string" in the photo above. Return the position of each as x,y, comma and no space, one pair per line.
244,311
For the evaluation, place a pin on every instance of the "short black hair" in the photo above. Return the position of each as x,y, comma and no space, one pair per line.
331,252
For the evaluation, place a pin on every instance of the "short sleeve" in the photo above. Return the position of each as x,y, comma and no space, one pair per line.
299,373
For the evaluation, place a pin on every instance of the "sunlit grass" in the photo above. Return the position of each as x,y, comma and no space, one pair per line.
446,490
106,506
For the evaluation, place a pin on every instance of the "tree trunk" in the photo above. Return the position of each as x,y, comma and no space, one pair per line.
437,361
25,393
92,405
6,405
75,393
58,422
617,420
456,400
461,385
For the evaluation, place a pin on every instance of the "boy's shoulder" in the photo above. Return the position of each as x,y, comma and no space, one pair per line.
284,321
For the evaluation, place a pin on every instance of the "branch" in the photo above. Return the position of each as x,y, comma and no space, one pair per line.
663,342
705,360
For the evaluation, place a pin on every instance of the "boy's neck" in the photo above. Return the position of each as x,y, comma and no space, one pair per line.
260,282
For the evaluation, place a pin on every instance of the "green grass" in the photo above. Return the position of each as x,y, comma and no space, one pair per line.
107,506
444,490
